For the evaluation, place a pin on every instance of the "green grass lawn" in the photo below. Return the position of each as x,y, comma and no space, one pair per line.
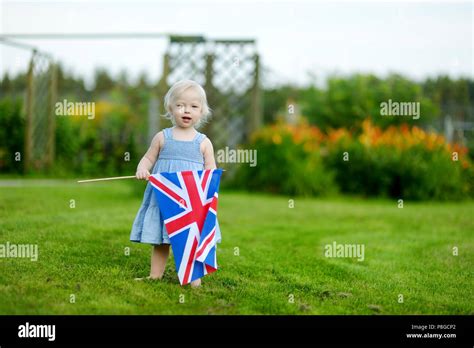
271,260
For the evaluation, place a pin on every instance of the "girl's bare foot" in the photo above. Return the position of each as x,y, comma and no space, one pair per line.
196,283
159,254
148,278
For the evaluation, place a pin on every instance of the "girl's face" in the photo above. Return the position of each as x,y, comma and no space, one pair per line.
187,108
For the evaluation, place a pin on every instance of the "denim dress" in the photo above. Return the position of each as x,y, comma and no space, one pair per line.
175,155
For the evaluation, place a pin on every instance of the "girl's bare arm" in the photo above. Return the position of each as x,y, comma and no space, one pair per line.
148,160
208,152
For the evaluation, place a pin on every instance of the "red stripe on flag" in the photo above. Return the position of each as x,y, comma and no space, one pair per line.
190,262
199,210
203,247
183,221
210,269
214,203
204,180
168,191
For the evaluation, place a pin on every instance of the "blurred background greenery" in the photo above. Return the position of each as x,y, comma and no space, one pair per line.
314,140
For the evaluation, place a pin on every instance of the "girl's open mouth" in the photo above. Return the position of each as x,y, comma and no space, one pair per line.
186,118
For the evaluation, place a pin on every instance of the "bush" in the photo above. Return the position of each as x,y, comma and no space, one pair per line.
289,162
12,127
347,100
400,162
98,146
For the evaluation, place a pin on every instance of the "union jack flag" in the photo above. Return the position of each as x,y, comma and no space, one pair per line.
188,205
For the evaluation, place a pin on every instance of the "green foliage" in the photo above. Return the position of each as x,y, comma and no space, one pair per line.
284,165
347,101
275,101
401,163
109,143
416,174
398,162
12,127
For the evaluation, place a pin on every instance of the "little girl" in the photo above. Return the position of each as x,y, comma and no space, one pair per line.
173,149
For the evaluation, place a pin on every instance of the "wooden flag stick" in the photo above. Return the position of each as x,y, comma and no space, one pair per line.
106,179
113,178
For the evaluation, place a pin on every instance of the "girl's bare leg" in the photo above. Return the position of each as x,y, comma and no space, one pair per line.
159,255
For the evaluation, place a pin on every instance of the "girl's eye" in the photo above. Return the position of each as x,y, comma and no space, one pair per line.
194,106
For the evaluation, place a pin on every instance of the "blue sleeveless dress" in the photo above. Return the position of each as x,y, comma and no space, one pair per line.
176,155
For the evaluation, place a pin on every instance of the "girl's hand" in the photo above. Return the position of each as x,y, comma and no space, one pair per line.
142,174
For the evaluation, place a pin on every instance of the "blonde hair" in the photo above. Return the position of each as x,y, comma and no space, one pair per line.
176,90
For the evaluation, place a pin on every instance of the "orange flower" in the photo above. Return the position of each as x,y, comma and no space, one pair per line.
399,138
276,138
